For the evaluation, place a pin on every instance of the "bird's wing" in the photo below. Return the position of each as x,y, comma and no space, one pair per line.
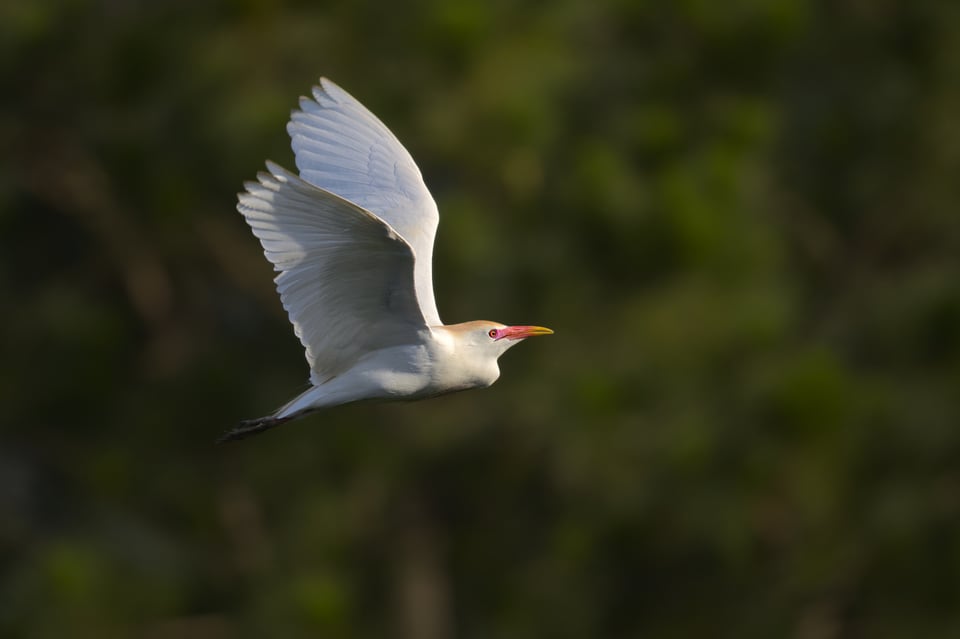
346,277
343,148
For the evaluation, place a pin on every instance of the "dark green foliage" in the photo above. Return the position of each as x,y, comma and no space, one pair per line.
742,219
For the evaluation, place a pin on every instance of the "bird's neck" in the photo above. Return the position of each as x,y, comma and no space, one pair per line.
459,360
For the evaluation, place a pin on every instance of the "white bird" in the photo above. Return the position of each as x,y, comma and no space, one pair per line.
352,239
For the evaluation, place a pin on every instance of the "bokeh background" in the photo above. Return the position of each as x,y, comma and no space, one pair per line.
741,218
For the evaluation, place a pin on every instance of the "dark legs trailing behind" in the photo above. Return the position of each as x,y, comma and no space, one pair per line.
249,427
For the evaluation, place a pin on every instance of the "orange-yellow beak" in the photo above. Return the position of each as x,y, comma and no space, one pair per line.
522,332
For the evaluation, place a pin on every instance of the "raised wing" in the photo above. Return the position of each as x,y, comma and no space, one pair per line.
346,278
343,148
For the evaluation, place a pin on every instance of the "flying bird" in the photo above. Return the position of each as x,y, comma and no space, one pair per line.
352,240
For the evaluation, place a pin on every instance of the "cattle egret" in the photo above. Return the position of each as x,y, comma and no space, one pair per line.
352,239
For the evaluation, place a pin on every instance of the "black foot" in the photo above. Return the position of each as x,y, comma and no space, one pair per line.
249,427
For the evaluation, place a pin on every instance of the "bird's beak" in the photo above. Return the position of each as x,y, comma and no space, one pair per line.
522,332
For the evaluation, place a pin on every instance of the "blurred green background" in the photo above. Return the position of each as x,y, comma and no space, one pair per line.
741,218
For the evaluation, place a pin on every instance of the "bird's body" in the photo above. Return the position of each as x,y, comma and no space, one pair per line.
434,366
352,237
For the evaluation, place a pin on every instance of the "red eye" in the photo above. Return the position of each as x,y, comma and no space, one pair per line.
493,333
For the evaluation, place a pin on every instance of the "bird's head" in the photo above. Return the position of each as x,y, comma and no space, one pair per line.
494,338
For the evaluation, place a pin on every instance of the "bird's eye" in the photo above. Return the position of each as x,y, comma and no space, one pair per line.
492,333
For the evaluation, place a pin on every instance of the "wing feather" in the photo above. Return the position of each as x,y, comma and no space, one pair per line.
343,148
346,277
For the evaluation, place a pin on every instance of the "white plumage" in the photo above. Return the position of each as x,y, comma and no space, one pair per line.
352,239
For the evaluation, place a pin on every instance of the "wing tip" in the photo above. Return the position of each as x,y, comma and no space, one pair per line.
328,87
270,179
